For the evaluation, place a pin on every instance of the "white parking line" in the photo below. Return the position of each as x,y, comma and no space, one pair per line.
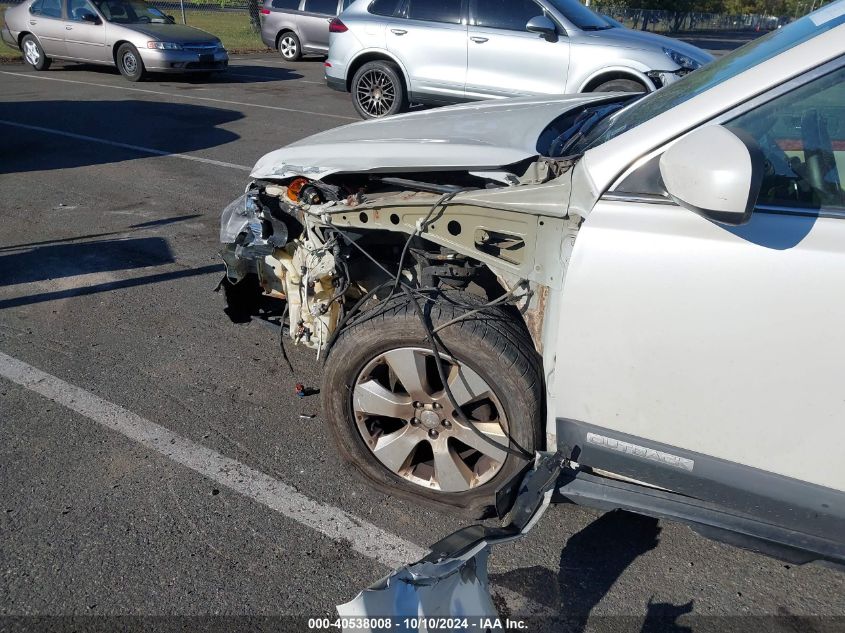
136,148
364,537
181,96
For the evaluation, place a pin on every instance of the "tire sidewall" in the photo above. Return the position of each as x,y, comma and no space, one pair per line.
401,102
139,69
298,55
357,347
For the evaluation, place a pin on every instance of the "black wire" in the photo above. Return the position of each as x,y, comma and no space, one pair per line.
411,292
282,338
419,229
435,349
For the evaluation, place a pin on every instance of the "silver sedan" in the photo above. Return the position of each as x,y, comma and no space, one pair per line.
130,34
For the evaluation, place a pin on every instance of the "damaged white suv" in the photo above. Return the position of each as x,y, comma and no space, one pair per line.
651,284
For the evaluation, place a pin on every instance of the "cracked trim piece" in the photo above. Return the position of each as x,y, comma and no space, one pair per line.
451,582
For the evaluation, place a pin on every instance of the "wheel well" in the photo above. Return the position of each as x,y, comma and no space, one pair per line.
282,32
21,36
371,57
610,76
116,46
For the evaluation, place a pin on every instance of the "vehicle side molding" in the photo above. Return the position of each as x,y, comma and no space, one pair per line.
714,172
796,514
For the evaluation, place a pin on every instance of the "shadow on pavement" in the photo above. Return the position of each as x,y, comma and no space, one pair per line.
68,260
590,564
236,74
166,127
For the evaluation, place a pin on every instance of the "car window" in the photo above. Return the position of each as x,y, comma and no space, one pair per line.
448,11
512,15
579,15
76,8
802,135
52,8
286,4
326,7
35,8
383,7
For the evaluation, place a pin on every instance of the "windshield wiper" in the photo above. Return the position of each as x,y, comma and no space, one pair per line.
587,123
595,28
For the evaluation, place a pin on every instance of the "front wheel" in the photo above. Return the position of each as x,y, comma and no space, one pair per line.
129,63
378,90
34,54
392,422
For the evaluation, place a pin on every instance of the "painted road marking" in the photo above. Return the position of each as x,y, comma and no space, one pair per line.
181,96
136,148
364,537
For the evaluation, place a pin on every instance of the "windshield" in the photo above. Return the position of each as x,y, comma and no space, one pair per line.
130,12
713,74
579,15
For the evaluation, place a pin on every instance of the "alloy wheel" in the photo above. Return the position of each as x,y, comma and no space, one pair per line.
406,420
376,92
287,47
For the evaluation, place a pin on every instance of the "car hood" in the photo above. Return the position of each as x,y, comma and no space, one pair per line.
643,40
487,134
171,32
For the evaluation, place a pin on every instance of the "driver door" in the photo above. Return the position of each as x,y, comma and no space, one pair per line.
85,40
709,359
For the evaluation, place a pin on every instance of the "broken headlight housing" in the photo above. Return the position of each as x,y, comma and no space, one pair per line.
684,61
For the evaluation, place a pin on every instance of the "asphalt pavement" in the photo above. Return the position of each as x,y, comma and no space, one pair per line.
154,460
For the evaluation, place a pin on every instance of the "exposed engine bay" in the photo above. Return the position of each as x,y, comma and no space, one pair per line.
327,247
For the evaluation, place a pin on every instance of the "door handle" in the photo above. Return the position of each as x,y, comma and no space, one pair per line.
33,22
68,28
398,31
478,40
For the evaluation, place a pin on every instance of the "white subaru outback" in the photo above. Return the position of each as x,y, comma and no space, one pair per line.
653,285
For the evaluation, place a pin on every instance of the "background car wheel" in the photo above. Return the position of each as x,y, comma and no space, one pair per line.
391,421
129,63
289,47
378,90
34,54
620,85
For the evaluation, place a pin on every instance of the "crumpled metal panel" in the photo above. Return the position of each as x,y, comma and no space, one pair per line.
451,582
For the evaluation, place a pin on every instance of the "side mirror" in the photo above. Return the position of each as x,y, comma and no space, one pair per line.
542,25
714,172
90,18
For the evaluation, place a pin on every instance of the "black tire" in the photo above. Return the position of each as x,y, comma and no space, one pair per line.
289,46
129,63
490,343
620,85
33,54
378,90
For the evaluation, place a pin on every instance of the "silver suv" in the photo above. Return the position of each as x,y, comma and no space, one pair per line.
389,53
296,27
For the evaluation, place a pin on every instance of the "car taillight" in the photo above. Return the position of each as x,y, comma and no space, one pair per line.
336,26
265,11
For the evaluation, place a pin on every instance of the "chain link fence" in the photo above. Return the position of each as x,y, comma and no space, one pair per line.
662,21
